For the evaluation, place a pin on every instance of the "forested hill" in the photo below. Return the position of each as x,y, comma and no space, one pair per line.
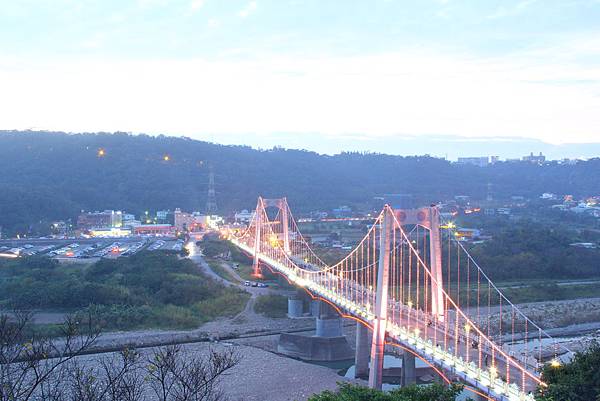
49,175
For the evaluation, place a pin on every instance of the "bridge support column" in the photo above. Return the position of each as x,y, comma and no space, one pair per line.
328,343
329,323
361,356
381,302
286,225
314,308
256,272
295,306
435,254
409,373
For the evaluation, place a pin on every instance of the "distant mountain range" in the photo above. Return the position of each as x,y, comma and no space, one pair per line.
446,146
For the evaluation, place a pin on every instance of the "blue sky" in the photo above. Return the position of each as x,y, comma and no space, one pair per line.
272,72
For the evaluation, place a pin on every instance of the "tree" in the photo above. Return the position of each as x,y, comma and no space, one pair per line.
39,369
578,380
178,376
351,392
29,363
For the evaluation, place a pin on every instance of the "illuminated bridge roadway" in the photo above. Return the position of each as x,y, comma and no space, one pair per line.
418,289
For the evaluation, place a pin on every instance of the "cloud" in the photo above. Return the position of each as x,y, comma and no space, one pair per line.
383,95
213,23
517,9
248,9
96,41
195,5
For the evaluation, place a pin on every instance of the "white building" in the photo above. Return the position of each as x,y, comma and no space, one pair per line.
244,216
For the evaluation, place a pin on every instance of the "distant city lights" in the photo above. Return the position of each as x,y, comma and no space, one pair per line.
166,158
101,152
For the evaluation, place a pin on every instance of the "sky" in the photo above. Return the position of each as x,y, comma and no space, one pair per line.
323,75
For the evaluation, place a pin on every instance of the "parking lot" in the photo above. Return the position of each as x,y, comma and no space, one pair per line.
85,248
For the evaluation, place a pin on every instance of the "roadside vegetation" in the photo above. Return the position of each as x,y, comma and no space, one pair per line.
216,251
352,392
578,380
146,290
217,267
271,305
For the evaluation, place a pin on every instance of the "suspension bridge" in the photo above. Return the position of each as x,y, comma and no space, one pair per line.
415,287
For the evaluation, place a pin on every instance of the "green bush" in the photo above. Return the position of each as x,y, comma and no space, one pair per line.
578,380
149,289
271,305
351,392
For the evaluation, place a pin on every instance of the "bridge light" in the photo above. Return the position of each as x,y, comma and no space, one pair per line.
555,363
493,372
467,328
410,304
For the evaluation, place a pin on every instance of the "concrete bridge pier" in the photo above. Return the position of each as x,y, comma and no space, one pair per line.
362,352
328,343
295,305
314,307
409,372
329,323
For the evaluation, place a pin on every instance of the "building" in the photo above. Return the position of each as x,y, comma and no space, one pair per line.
190,222
535,159
127,217
479,161
467,233
131,223
342,211
155,229
548,196
183,221
59,228
244,217
105,219
210,221
109,232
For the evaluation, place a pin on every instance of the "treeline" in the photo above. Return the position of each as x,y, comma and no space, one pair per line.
530,250
147,289
49,175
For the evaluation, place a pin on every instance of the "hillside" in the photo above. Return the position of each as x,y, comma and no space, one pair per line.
49,175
